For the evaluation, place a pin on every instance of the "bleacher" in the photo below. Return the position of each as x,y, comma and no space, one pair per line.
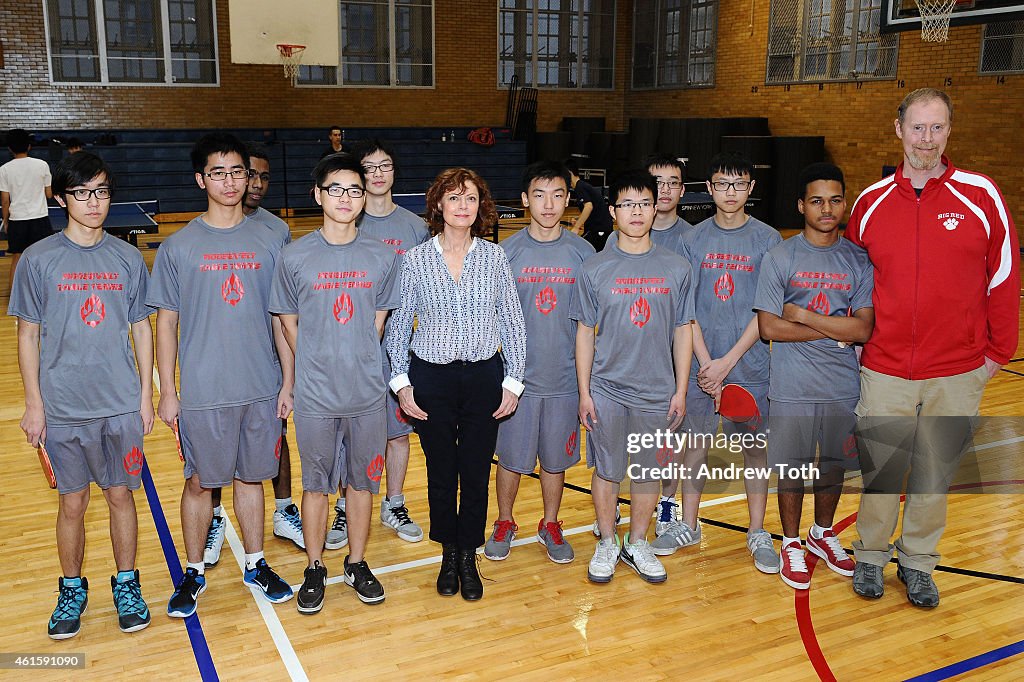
154,164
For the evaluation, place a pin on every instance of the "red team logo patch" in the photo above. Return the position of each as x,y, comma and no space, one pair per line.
277,449
819,304
570,445
640,312
546,300
724,287
400,416
232,290
93,311
375,468
850,446
663,455
133,462
343,308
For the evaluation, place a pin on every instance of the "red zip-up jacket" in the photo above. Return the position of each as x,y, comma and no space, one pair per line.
947,276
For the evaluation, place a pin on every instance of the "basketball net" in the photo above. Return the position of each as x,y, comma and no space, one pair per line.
291,57
935,16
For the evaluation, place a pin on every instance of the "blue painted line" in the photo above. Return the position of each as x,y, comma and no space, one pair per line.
200,648
970,664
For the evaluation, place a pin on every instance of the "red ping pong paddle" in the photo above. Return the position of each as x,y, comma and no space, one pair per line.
738,405
44,462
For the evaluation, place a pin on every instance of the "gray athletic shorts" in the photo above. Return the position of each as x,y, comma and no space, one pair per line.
607,442
398,423
797,430
702,418
106,451
225,443
548,428
342,451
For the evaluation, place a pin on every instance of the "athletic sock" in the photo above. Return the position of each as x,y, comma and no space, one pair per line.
817,532
125,576
200,567
251,559
281,502
73,582
219,510
786,541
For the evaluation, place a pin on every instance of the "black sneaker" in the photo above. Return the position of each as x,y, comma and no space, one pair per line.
269,583
367,587
310,598
132,612
66,620
182,603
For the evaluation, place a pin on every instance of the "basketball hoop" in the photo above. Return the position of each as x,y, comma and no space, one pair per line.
291,57
935,16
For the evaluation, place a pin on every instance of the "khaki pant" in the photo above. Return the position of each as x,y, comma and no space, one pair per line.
922,426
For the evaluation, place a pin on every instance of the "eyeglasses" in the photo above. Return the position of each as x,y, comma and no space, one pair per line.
265,177
236,173
630,205
385,167
339,191
101,193
738,185
673,184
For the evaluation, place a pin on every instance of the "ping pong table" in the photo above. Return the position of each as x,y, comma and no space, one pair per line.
126,220
417,203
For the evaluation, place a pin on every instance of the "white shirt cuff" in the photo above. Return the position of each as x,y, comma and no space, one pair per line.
399,382
511,384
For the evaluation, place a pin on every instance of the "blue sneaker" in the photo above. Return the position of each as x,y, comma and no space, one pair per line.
268,582
132,611
182,603
72,599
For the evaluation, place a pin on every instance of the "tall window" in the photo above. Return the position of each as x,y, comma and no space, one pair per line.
153,42
828,40
1002,47
556,43
674,43
383,43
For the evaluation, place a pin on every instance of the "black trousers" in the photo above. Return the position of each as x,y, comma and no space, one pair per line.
458,440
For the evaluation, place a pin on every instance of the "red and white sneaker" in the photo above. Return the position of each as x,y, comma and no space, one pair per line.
829,549
794,566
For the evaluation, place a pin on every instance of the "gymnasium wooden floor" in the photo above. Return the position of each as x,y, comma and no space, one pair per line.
716,618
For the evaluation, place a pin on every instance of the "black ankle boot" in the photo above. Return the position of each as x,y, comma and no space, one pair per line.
472,587
448,577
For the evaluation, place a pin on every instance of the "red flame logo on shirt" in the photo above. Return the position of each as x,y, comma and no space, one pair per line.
93,311
640,312
819,304
850,446
343,309
724,287
133,462
232,290
375,468
664,455
570,445
546,300
277,449
400,416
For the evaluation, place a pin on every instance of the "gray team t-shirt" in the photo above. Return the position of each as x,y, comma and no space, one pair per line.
636,302
279,226
545,273
84,299
336,290
834,280
725,265
218,280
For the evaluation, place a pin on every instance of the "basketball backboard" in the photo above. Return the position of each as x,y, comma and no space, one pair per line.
258,26
903,15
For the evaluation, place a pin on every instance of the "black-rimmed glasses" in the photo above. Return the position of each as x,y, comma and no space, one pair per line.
221,175
101,193
339,191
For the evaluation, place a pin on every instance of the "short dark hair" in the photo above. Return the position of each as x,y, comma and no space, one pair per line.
74,142
258,152
217,143
665,161
638,179
77,169
19,140
730,162
572,165
363,149
545,170
338,162
820,171
454,180
338,128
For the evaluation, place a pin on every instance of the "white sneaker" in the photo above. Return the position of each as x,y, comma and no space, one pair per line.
640,557
337,536
666,513
288,525
214,541
602,566
394,514
618,520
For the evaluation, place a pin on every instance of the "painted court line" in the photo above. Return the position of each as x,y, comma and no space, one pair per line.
277,633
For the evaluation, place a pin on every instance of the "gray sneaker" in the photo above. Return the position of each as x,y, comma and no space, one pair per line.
550,535
395,515
499,544
921,589
337,536
867,580
677,535
766,559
